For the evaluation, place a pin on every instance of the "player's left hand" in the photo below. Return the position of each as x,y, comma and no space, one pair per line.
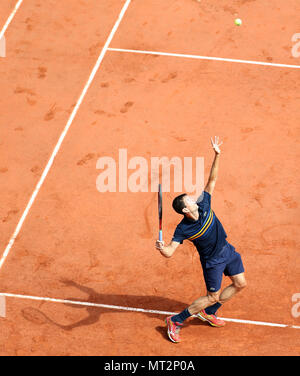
216,145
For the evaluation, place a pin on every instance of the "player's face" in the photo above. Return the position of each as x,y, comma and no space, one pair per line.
190,204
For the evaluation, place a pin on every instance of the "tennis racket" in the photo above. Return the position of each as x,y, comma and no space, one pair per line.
160,212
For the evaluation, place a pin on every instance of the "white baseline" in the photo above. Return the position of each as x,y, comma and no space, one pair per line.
121,308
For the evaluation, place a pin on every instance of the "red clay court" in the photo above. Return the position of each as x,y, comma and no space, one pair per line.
79,273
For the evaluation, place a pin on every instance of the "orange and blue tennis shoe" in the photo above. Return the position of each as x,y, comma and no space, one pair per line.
173,329
212,319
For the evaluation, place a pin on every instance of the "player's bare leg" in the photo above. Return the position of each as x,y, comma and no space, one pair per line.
204,302
239,283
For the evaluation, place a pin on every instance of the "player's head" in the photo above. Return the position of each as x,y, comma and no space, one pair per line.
184,204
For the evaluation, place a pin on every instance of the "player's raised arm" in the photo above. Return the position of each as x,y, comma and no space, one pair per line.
215,166
168,250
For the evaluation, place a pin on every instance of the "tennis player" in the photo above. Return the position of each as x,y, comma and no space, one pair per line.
201,226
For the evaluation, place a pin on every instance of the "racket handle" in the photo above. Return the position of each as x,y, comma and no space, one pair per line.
160,235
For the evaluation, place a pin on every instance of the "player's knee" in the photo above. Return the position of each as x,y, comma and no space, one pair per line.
240,284
214,297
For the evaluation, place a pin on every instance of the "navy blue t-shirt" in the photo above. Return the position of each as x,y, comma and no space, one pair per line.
207,233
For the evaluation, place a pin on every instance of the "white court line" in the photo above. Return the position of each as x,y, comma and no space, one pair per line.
98,305
204,58
63,135
10,18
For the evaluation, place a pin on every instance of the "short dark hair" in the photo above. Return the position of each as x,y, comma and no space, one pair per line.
178,203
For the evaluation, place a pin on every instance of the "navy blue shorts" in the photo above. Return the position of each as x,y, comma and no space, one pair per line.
213,275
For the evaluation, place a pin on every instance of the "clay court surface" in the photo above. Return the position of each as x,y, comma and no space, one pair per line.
77,244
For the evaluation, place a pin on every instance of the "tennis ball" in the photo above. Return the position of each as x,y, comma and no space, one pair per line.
238,21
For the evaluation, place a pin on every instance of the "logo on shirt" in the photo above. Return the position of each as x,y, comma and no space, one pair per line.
204,215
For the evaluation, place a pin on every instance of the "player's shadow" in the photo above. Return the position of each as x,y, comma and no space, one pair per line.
147,302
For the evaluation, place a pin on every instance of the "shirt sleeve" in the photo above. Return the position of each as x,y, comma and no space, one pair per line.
178,235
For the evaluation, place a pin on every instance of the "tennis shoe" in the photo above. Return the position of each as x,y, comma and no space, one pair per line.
173,329
212,319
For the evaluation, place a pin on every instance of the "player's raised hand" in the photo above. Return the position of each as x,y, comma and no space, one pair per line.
216,144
